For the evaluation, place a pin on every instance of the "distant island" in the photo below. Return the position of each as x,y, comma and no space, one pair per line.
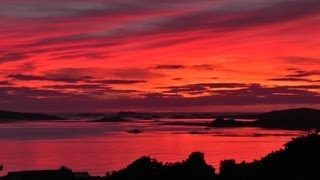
111,119
7,116
300,119
157,115
299,159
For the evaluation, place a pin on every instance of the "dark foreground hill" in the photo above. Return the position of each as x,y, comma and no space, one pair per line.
299,159
18,116
302,118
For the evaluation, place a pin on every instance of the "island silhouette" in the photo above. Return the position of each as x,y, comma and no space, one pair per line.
7,116
300,118
289,119
114,118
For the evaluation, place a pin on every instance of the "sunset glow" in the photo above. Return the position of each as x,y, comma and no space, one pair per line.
158,55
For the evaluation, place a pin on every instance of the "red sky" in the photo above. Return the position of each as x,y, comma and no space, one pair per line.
159,55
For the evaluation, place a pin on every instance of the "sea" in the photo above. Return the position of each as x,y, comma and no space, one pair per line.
101,147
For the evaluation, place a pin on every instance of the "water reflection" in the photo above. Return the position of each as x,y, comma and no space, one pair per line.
102,147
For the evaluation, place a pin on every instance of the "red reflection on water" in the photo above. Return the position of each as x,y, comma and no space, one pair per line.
101,154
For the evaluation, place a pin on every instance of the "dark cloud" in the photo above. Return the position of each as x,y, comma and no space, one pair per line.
160,95
266,91
292,79
177,79
302,87
13,57
89,89
173,41
300,59
23,77
70,49
178,66
168,66
91,56
74,72
296,73
224,19
222,85
25,92
203,67
122,73
32,99
238,89
200,88
86,79
134,73
5,83
77,86
26,77
227,17
117,81
26,67
148,19
252,94
191,89
64,9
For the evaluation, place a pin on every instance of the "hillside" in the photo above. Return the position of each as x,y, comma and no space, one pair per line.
299,159
19,116
301,118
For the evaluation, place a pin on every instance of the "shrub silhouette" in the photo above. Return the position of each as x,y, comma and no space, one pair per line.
299,159
147,168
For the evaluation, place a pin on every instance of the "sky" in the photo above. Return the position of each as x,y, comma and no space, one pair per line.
159,55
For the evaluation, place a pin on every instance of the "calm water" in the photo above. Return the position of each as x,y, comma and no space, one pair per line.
102,147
